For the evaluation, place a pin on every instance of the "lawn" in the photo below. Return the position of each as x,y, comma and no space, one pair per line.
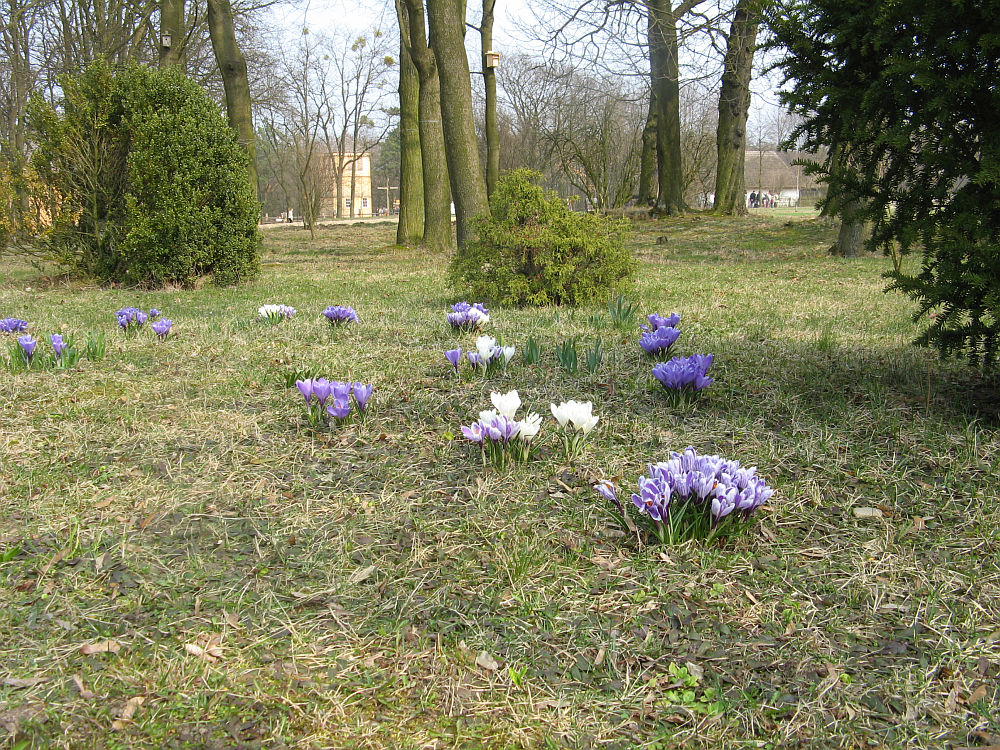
246,581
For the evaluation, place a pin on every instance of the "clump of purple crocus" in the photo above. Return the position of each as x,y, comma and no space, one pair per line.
691,497
340,314
13,325
333,397
661,321
659,340
468,317
161,327
154,313
131,318
684,377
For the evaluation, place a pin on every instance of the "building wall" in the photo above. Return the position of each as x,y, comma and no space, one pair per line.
362,187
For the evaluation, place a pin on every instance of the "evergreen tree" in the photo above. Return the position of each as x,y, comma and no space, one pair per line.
906,91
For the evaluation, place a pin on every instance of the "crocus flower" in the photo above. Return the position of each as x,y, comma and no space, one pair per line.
321,390
468,317
362,393
506,403
58,345
530,426
690,495
162,327
339,408
453,355
659,340
683,377
661,321
305,388
609,492
275,313
27,346
154,313
13,325
339,314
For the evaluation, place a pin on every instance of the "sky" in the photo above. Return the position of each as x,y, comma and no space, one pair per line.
512,16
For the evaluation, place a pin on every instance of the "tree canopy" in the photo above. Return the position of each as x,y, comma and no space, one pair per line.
904,94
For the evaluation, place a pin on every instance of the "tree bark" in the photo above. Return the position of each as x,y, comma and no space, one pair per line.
734,105
437,191
233,66
490,83
172,25
665,71
447,39
410,230
647,163
853,231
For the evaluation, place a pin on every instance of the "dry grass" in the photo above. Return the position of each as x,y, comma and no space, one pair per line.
173,493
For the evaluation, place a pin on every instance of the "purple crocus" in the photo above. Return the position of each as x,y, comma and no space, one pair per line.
474,432
13,325
321,389
684,374
28,345
609,492
362,393
305,388
162,327
661,321
339,408
453,356
659,340
154,313
339,314
58,345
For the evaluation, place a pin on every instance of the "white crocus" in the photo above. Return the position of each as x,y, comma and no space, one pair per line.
508,353
488,416
589,424
561,413
266,311
506,403
530,426
486,345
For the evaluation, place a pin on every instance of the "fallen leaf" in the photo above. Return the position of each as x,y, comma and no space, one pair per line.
361,575
53,560
84,693
23,682
865,512
128,712
977,695
207,647
486,661
101,647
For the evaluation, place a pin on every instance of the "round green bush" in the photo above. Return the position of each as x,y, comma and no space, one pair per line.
533,250
153,185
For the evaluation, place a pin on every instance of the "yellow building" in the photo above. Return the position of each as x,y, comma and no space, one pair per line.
361,164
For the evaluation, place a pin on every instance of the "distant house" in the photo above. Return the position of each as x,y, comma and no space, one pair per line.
361,164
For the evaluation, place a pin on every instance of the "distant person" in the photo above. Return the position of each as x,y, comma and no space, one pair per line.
753,199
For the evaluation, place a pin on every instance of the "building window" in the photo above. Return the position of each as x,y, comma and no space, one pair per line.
364,203
347,203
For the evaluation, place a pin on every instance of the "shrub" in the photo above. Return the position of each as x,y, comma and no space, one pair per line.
148,184
534,251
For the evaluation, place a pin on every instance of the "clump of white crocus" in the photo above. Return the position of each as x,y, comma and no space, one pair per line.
576,419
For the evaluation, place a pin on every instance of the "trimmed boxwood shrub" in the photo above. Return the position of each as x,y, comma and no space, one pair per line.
533,250
150,186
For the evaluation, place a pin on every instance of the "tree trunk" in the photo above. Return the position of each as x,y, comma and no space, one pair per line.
647,164
665,71
734,104
490,83
853,231
233,66
468,188
410,230
437,191
172,25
